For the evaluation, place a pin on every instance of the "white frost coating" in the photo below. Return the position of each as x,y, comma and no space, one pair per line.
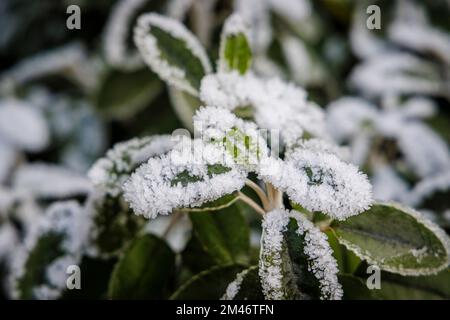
234,286
321,262
214,124
23,126
118,29
109,173
151,54
320,182
387,184
346,116
67,219
420,218
150,192
277,105
295,11
305,69
233,26
50,181
426,187
320,145
177,9
256,13
397,73
71,56
411,29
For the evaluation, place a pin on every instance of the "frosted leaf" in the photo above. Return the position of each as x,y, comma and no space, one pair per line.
295,11
412,31
257,13
280,278
397,73
320,182
63,229
234,287
50,181
23,126
7,160
177,9
276,105
117,31
424,151
241,139
188,176
304,67
109,173
161,61
388,185
71,57
319,145
347,116
426,188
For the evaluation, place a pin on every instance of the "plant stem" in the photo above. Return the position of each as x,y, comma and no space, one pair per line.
251,203
275,197
260,192
173,221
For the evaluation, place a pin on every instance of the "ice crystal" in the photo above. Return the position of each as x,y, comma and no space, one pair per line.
321,262
109,173
234,287
277,105
185,177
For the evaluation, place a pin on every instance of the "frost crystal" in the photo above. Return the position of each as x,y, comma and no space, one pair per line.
276,105
321,262
148,47
320,182
50,181
234,287
188,176
62,218
109,173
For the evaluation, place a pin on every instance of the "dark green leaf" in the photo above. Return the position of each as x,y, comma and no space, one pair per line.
396,239
144,271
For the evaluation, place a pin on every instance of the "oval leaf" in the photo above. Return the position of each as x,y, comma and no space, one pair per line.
246,286
396,239
144,271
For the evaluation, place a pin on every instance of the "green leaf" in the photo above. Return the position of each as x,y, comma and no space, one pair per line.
347,261
219,204
123,94
144,271
423,287
296,261
246,286
224,235
236,53
355,288
396,239
172,51
209,284
113,226
47,249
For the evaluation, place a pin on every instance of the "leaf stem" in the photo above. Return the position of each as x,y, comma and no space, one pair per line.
251,203
173,221
260,192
